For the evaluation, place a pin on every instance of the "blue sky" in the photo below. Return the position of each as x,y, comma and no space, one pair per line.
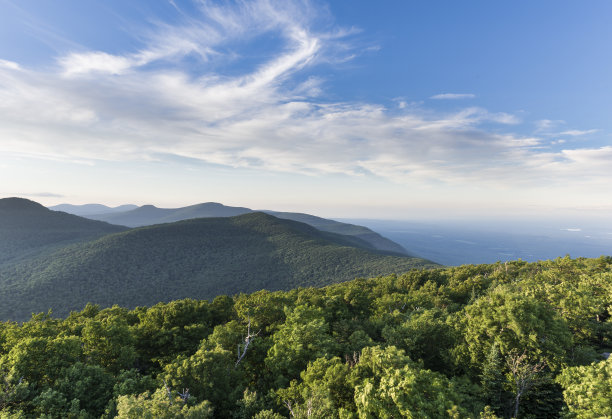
394,109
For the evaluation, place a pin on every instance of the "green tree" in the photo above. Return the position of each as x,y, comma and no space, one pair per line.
91,385
109,342
514,322
388,384
302,338
415,336
587,389
493,381
322,392
12,392
160,405
167,330
208,375
40,361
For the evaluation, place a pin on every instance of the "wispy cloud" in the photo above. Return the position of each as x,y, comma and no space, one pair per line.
95,62
553,128
576,132
546,125
9,65
44,195
271,116
453,96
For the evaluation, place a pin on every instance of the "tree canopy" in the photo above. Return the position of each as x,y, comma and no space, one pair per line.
503,340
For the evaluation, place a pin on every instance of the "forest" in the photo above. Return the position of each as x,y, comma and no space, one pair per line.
513,339
199,258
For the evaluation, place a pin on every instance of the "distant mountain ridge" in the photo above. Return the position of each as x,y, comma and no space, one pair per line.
91,209
197,258
151,215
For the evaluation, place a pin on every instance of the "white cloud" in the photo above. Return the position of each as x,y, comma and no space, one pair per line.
552,128
575,132
546,125
45,195
505,118
453,96
99,106
590,157
9,65
94,62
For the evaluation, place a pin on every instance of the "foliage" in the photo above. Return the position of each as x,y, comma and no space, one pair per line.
472,341
199,258
160,405
587,389
28,229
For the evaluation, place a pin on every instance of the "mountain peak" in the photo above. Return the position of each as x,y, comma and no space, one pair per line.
20,204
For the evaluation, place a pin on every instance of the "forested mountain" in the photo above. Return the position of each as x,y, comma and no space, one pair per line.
91,209
27,228
374,239
514,339
198,258
149,215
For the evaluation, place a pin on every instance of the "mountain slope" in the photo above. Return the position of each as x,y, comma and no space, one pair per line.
27,228
198,258
374,240
150,215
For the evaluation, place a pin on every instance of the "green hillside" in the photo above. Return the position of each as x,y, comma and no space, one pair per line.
199,258
27,228
150,215
373,239
507,340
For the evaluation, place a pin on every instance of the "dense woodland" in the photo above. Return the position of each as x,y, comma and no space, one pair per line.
28,229
199,258
151,215
504,340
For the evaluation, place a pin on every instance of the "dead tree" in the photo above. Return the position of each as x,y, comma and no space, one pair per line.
247,341
289,406
184,395
351,362
168,392
524,375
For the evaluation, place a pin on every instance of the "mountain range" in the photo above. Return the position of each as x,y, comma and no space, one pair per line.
91,209
61,262
150,215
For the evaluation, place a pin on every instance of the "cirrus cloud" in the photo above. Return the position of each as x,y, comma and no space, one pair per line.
453,96
98,106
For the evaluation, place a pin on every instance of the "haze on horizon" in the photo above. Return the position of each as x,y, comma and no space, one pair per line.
346,109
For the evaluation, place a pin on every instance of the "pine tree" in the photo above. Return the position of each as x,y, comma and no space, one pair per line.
493,379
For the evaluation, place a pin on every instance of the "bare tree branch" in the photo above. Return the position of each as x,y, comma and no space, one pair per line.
524,375
288,404
247,341
168,392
